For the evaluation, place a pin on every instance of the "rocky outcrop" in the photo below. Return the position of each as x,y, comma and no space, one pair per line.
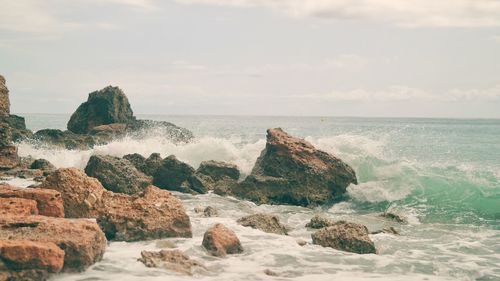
179,176
318,222
174,260
106,106
151,214
47,202
18,206
18,127
291,171
218,170
9,158
264,222
117,174
220,241
82,241
4,98
345,236
66,139
19,255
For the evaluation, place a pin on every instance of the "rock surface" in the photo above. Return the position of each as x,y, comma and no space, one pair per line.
17,255
220,241
47,202
219,170
18,206
4,98
318,222
173,260
345,236
179,176
117,174
291,171
394,217
264,222
43,165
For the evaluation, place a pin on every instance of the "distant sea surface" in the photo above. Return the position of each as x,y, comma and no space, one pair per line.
442,174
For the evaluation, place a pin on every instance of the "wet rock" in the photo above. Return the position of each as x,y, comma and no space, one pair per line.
117,174
18,255
82,240
179,176
9,158
269,272
17,206
66,139
207,212
43,165
319,222
301,242
173,260
345,236
394,217
161,128
48,202
291,171
106,106
18,127
220,241
264,222
4,98
219,170
137,160
388,230
148,166
165,244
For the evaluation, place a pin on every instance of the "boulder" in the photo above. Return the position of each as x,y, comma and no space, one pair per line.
43,165
179,176
209,211
291,171
319,222
264,222
345,236
117,174
17,206
48,202
219,170
18,127
4,98
106,106
148,166
82,241
174,260
220,241
17,255
137,160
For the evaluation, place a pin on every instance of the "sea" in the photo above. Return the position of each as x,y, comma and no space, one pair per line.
443,175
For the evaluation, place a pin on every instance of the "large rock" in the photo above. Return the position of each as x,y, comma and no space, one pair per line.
18,206
82,241
345,236
48,202
18,127
151,214
218,170
117,174
174,260
4,98
66,139
264,222
291,171
106,106
220,241
17,255
179,176
318,222
9,158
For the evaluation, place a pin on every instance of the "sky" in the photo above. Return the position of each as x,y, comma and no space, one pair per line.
380,58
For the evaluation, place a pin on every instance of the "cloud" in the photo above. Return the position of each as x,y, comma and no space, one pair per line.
408,13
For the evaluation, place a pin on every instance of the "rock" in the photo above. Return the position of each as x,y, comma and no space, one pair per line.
18,127
42,164
219,170
388,230
165,244
319,222
4,98
137,160
173,260
264,222
17,206
23,275
5,135
210,212
220,241
110,130
152,214
48,202
345,236
82,240
291,171
394,217
269,272
148,166
8,157
17,255
301,242
66,139
160,128
179,176
106,106
117,174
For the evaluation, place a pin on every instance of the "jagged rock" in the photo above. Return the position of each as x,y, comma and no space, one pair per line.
4,98
117,174
179,176
388,230
219,170
151,214
106,106
220,241
18,255
161,128
18,206
9,158
47,202
137,160
5,135
394,217
43,165
319,222
264,222
66,139
345,236
209,211
291,171
149,165
82,240
18,127
173,260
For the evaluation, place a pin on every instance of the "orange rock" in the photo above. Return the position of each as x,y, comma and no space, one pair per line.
24,254
48,202
219,241
17,206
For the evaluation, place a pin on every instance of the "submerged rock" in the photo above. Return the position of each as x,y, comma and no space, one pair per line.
319,222
179,176
220,241
264,222
345,236
388,230
47,202
117,174
394,217
174,260
291,171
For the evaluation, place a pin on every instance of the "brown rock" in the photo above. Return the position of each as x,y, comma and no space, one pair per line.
394,217
319,222
4,98
24,254
172,260
219,241
23,275
264,222
345,236
8,157
48,202
82,240
17,206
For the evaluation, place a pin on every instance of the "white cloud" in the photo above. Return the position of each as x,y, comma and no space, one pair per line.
408,13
